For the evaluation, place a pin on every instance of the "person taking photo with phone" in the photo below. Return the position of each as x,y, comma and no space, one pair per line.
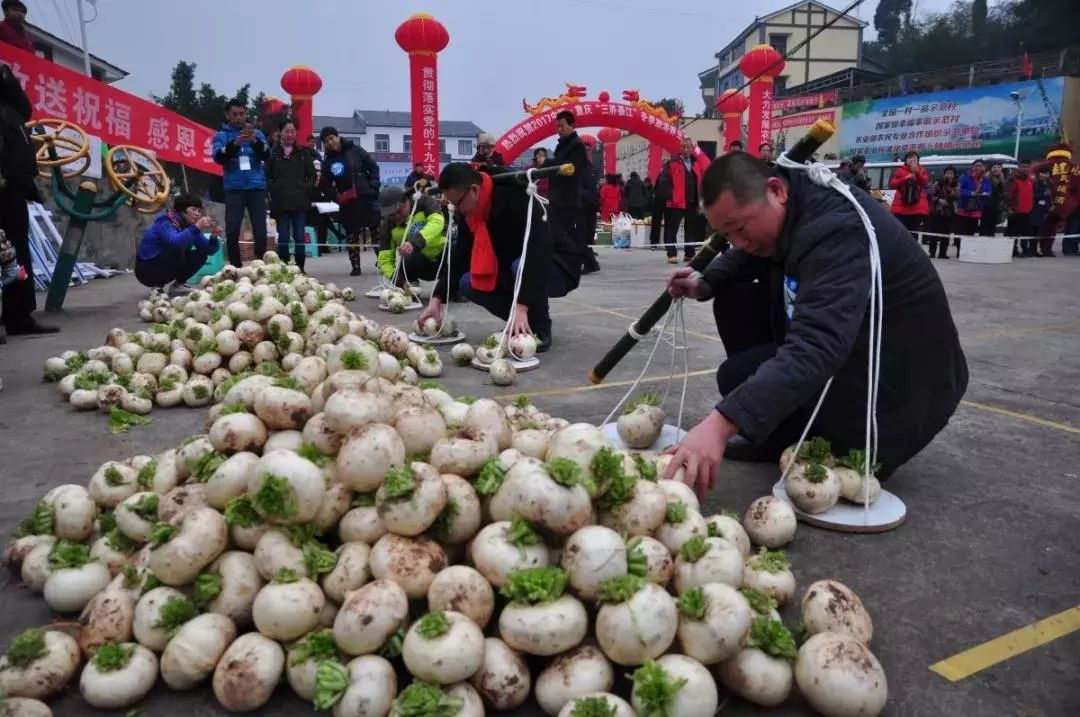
241,150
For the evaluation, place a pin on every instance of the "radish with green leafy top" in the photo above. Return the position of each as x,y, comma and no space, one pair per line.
367,454
108,617
678,492
578,673
503,548
460,519
831,606
349,573
770,572
647,557
840,677
410,499
181,551
159,613
464,452
591,556
704,560
73,511
248,672
137,515
443,648
192,654
849,471
411,562
578,442
462,354
761,671
503,680
812,487
696,697
681,523
642,420
727,526
74,577
713,621
637,621
112,483
540,619
770,521
288,607
813,450
462,589
370,616
230,479
286,488
303,659
39,663
596,704
119,675
278,549
632,505
367,690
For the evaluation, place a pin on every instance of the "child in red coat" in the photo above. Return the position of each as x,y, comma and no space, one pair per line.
610,197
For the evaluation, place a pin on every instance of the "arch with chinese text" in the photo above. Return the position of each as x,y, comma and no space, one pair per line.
538,127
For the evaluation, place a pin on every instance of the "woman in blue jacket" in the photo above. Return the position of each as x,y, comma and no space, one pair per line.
176,246
975,189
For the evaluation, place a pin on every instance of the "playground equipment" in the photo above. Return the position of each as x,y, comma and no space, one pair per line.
63,152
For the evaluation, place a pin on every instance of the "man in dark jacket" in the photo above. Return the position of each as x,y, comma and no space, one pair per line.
18,169
805,319
854,173
682,174
487,250
565,193
352,177
636,196
485,151
416,175
241,150
290,177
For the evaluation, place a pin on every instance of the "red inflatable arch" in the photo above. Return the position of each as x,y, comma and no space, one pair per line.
540,126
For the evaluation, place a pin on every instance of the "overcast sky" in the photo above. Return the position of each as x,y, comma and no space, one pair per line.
500,50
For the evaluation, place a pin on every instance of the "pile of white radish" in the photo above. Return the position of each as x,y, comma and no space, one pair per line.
816,480
264,319
341,528
396,299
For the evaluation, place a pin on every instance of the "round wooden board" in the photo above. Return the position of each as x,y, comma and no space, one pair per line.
436,340
521,366
885,514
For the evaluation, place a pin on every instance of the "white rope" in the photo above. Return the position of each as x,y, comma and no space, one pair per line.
822,176
534,196
399,263
668,318
444,259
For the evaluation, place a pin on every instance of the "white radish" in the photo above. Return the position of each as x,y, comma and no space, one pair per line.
412,563
637,622
839,676
831,606
370,616
575,674
770,521
119,675
443,648
248,672
713,621
193,653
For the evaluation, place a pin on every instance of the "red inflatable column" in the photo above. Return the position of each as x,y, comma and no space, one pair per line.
656,161
731,105
760,65
423,37
302,83
610,137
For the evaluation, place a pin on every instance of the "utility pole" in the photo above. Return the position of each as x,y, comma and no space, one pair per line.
82,29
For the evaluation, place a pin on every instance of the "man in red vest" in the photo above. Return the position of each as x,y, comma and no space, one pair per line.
683,174
13,28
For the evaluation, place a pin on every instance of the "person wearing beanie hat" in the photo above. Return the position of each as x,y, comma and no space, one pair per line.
485,151
351,177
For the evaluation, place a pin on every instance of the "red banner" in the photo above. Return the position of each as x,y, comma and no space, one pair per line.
423,78
111,114
819,99
803,119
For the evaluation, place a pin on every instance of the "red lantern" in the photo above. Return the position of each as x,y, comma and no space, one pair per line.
302,83
609,136
603,96
761,65
731,105
423,37
272,105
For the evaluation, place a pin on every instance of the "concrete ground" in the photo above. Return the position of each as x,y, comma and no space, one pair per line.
991,541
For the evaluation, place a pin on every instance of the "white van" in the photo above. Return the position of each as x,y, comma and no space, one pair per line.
881,172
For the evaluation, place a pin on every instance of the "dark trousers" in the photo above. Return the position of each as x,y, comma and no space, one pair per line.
587,235
988,223
417,267
965,225
693,231
1047,232
636,212
656,226
741,310
912,222
1018,225
290,229
177,265
498,302
939,245
355,218
237,201
1071,245
19,300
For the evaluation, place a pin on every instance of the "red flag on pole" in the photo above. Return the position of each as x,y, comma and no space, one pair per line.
1025,66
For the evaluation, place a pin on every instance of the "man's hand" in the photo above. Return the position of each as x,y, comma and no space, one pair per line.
432,311
405,249
519,322
701,452
685,283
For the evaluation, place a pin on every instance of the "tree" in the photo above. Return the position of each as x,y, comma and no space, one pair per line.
890,18
978,22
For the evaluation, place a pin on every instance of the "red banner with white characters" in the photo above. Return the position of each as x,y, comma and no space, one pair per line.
803,119
538,127
819,99
424,82
111,114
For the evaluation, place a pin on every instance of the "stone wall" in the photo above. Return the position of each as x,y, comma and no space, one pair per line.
112,242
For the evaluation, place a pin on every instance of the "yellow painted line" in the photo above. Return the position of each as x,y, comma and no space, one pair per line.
566,390
967,663
1022,416
613,312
